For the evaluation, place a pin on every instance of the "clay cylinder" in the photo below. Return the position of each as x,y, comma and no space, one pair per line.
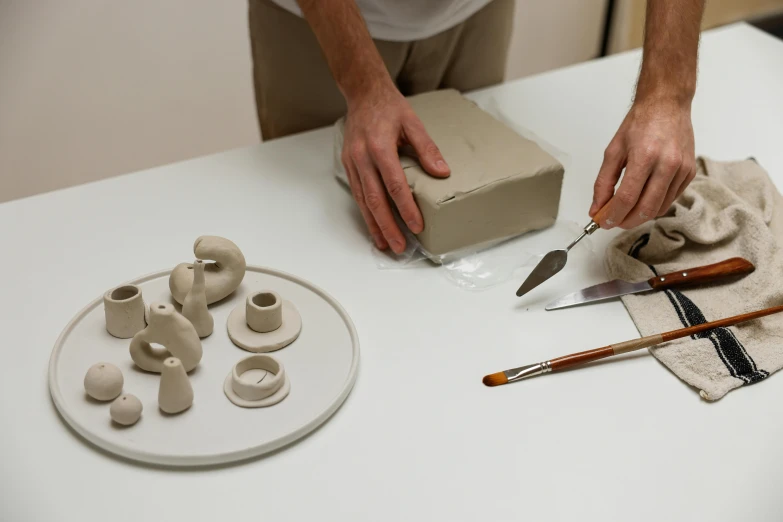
124,309
264,311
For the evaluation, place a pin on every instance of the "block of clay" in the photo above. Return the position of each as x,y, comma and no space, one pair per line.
501,184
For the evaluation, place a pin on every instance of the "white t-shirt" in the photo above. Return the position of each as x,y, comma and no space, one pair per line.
407,20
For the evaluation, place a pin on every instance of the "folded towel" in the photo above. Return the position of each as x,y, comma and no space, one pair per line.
731,209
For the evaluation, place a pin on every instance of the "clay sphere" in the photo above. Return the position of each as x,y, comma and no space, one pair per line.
103,381
126,409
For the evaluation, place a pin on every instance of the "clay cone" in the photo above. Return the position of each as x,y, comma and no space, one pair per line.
194,308
175,393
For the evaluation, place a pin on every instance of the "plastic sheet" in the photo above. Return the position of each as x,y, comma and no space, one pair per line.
511,259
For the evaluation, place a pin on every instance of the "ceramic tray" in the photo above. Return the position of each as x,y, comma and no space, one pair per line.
321,365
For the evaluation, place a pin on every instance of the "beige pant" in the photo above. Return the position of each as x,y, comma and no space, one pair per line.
295,91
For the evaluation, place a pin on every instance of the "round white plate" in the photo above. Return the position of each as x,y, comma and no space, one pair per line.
321,364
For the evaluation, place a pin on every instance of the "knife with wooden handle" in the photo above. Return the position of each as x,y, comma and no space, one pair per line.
703,274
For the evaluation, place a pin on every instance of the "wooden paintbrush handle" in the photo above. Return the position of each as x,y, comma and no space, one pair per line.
703,274
576,359
721,323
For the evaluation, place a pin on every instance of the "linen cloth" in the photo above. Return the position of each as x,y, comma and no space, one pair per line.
731,209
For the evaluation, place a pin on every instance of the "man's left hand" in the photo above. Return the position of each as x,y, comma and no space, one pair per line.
655,146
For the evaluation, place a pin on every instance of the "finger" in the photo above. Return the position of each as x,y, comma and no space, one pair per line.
688,179
637,172
358,195
609,173
654,192
674,190
429,154
375,199
385,156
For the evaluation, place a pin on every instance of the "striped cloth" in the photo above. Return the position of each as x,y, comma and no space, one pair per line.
731,209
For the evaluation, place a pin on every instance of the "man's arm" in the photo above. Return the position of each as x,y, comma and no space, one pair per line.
379,119
655,142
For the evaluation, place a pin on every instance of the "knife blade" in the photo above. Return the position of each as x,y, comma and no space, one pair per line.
703,274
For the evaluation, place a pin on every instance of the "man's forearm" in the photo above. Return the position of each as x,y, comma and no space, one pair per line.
355,63
671,43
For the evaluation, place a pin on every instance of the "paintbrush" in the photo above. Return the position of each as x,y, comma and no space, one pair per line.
574,359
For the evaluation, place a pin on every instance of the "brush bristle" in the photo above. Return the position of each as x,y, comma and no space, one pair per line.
495,379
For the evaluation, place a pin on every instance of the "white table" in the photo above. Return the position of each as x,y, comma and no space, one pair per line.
419,438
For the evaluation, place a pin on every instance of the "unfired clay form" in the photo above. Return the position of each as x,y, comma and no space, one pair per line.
124,310
194,308
221,277
103,381
257,381
175,393
501,184
264,323
126,409
169,328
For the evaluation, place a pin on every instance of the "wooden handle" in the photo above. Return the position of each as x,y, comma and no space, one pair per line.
703,274
721,323
580,358
601,214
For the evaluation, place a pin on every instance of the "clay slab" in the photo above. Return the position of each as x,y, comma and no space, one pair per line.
322,365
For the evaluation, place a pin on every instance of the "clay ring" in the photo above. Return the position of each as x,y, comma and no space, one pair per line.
271,389
265,322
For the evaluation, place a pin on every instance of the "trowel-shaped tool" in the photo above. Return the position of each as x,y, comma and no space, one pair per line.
555,260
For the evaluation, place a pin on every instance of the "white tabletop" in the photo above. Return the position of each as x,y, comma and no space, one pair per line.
419,438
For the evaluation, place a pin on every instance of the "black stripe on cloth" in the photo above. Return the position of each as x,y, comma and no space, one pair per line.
730,350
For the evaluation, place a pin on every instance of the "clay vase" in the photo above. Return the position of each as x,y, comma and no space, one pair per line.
221,277
175,393
124,310
194,308
174,332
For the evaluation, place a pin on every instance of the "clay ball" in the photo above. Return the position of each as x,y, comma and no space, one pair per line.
126,409
103,381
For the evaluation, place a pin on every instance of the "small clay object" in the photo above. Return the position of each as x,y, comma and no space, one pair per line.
175,393
264,322
172,330
124,310
256,382
126,409
221,277
195,306
103,381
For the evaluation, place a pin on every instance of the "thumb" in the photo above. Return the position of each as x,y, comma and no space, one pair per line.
611,168
429,154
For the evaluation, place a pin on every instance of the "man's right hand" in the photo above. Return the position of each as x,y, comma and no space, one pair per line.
376,125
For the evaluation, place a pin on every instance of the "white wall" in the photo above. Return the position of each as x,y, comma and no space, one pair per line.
554,33
95,88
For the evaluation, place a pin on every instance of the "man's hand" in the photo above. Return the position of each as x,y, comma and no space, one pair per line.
655,147
379,120
376,125
655,141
